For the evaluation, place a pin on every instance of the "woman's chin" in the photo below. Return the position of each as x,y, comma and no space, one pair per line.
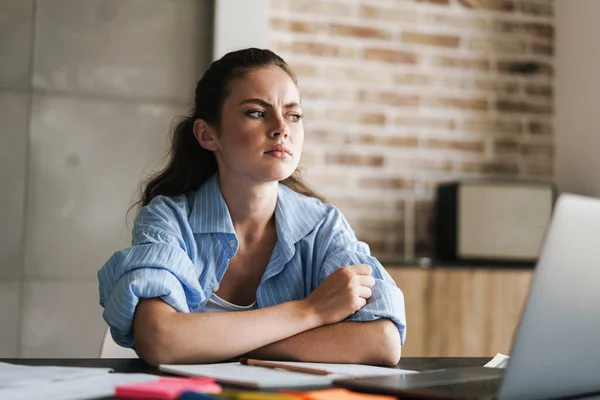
278,174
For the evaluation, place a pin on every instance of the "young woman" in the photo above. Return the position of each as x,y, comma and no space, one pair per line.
233,254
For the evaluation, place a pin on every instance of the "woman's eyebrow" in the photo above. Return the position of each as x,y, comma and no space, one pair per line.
266,104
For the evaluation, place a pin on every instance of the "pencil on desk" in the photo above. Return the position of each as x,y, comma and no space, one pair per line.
287,367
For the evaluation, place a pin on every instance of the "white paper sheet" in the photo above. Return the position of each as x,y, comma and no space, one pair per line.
12,375
499,361
253,376
92,387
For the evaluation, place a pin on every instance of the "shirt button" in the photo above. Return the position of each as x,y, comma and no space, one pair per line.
216,288
232,243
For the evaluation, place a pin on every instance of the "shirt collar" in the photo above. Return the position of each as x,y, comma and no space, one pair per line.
295,215
210,213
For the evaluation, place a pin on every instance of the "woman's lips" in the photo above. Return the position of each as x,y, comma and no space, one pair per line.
278,154
279,151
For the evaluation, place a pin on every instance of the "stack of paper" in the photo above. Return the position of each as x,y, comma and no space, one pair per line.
260,377
61,383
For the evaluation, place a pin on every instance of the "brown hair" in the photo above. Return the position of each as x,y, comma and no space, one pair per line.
189,164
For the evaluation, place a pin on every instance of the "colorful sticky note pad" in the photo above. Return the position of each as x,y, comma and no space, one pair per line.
167,388
337,394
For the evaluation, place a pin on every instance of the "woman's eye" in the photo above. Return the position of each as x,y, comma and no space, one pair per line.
296,117
256,114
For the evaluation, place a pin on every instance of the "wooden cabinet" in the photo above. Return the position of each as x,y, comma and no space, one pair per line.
456,312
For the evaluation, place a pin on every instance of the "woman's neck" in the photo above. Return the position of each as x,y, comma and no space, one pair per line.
251,206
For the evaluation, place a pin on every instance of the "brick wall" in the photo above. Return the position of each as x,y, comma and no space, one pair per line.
402,94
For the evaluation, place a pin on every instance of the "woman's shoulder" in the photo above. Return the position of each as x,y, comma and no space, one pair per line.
165,209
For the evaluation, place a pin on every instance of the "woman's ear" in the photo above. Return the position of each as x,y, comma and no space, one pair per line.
205,134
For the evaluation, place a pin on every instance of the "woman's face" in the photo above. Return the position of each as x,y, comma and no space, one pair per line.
261,134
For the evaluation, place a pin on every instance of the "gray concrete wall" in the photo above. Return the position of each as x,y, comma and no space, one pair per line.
88,90
577,101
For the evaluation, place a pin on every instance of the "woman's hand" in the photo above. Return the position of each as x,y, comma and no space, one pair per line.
341,294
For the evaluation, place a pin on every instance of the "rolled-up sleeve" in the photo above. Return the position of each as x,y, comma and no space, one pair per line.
159,264
343,248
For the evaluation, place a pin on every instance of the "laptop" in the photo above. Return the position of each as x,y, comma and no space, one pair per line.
556,348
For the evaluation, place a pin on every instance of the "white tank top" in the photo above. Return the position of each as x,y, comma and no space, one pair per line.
217,304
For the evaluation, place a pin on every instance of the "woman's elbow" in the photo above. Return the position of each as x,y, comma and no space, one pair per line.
151,336
391,349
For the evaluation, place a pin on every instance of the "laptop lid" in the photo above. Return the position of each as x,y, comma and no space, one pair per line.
556,352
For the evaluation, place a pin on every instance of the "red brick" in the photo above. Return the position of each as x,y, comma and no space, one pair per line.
459,145
392,56
355,159
537,8
540,128
322,50
445,124
479,64
388,13
497,86
490,167
393,141
322,7
539,171
504,146
538,150
464,21
492,5
359,32
474,104
411,78
525,68
535,89
451,41
438,2
504,46
390,98
385,183
422,164
534,29
279,24
380,225
354,116
517,106
493,126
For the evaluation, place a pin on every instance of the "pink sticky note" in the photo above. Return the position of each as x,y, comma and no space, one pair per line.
167,388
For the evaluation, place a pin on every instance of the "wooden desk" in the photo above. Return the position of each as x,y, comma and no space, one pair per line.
460,312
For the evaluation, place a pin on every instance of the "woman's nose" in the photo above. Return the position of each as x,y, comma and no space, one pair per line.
280,128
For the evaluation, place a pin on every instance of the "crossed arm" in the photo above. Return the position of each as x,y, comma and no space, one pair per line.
302,330
288,331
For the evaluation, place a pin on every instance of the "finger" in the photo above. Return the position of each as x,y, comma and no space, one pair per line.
361,303
366,280
361,269
365,292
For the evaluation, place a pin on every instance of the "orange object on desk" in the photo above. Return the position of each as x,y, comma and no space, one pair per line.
336,394
166,388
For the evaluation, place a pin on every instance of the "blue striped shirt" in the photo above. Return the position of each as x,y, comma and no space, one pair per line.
182,245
